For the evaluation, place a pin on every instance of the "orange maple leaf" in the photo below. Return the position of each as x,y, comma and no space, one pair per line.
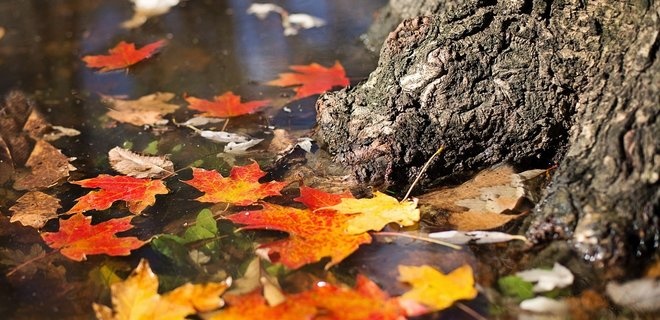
312,235
123,55
312,79
226,105
138,193
241,188
77,237
254,306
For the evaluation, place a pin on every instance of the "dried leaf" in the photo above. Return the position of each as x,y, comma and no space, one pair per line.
136,165
123,55
137,298
138,193
146,110
223,137
59,132
241,188
78,238
547,280
6,162
226,105
239,148
34,209
435,289
47,167
478,237
374,213
201,121
312,79
483,202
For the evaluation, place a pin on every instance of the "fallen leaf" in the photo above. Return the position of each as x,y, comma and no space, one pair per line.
137,298
312,235
78,238
374,213
484,202
145,9
547,280
226,105
315,199
6,162
435,289
136,165
47,167
123,55
138,193
223,137
57,132
478,237
146,110
312,79
253,306
241,188
240,148
200,121
34,209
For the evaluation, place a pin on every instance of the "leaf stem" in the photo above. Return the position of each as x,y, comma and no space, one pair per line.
405,235
470,311
419,175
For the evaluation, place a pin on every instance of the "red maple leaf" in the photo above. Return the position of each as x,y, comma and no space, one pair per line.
312,235
138,193
226,105
77,237
312,79
123,55
241,188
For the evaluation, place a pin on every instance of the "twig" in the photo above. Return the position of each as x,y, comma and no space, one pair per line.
419,175
405,235
470,311
27,262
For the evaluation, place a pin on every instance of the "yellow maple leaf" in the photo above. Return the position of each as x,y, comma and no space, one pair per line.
374,213
435,289
137,298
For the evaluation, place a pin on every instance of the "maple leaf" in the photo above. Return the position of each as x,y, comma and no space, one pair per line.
315,199
137,298
312,235
226,105
146,110
138,193
241,188
312,79
77,237
34,209
374,213
122,56
436,290
253,306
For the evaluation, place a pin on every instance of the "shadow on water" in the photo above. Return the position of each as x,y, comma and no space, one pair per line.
212,47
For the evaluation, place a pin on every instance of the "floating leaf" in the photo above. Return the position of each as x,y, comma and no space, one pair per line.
223,137
374,213
226,105
547,280
312,235
146,110
200,121
545,305
436,290
34,209
122,56
478,237
138,193
241,188
136,165
78,238
59,132
312,79
137,298
47,167
239,148
291,22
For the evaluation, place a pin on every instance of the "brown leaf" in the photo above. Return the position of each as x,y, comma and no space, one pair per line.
6,162
34,209
136,165
48,166
147,110
483,202
13,115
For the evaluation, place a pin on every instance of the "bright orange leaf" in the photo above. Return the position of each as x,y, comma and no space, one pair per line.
241,188
137,298
315,199
253,306
312,79
123,55
138,193
77,237
226,105
436,290
312,235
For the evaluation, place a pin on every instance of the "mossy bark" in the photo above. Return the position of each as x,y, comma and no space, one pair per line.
527,82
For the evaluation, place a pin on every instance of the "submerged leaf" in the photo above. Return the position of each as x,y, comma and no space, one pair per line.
123,55
136,165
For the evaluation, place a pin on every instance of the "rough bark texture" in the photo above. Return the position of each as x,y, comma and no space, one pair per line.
529,82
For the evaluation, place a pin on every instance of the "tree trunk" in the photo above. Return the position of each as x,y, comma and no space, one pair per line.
528,82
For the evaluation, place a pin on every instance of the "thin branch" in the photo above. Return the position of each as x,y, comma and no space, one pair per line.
419,175
405,235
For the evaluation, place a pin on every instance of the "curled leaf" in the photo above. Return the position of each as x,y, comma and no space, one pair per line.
136,165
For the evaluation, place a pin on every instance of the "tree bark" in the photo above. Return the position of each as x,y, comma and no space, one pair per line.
528,82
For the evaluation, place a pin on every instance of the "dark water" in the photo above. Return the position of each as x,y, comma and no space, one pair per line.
212,47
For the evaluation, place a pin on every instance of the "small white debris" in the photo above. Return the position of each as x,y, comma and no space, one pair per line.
235,148
223,137
641,295
305,144
546,280
287,109
463,237
145,9
544,305
291,22
200,121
